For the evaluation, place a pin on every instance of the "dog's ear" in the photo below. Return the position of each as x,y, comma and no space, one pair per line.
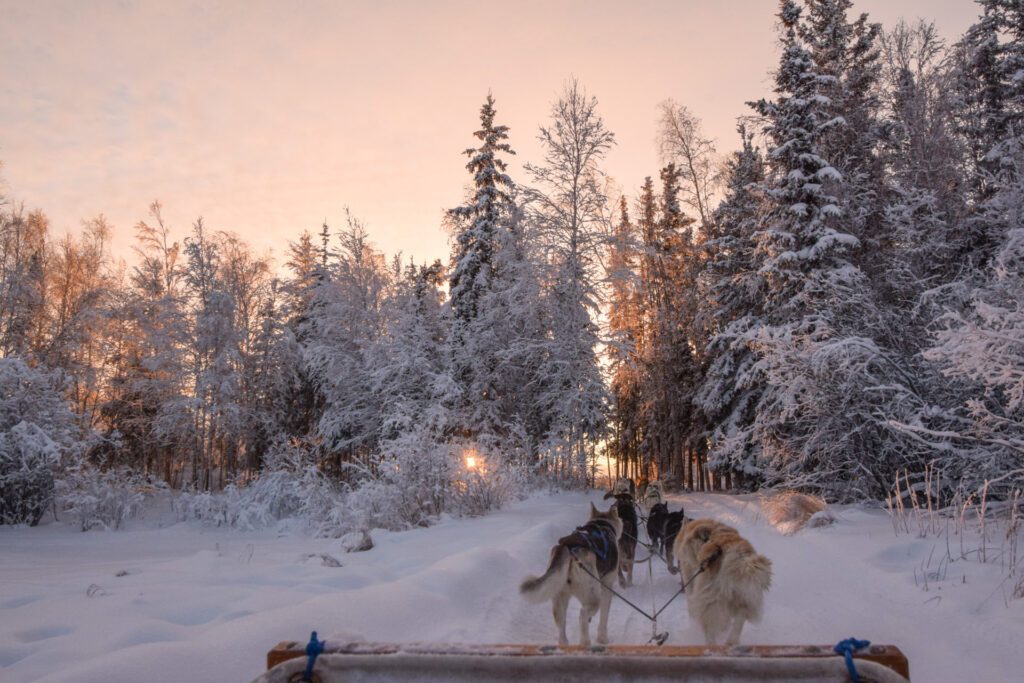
593,511
613,511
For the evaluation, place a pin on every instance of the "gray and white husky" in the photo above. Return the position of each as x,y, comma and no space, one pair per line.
583,565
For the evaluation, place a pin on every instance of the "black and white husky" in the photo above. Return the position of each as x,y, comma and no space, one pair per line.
583,565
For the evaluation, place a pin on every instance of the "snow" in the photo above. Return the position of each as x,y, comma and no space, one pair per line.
183,602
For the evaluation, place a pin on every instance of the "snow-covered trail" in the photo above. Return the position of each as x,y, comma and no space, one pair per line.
199,604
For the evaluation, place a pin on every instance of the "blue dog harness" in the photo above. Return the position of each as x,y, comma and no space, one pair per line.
597,536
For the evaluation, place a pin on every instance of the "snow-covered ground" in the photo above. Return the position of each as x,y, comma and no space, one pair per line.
187,603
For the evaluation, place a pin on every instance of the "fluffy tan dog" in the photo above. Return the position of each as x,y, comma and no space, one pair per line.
730,591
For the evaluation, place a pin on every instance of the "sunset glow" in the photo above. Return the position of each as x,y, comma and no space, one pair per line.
266,118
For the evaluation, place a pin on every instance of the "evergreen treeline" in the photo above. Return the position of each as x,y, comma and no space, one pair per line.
835,305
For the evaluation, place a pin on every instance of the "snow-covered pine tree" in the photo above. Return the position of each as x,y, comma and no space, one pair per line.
981,111
671,367
624,338
846,57
731,306
308,269
814,410
519,320
474,350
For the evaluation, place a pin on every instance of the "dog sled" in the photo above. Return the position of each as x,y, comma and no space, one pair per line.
289,662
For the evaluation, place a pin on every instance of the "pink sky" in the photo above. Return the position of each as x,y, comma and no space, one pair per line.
267,117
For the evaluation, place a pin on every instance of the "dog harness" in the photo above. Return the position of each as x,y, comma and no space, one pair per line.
597,536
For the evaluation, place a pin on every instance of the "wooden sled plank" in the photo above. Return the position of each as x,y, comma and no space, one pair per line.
888,656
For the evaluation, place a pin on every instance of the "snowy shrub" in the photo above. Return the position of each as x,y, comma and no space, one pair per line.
983,349
479,491
36,427
291,486
27,460
100,500
202,506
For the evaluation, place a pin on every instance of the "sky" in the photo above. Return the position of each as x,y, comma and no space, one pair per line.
266,118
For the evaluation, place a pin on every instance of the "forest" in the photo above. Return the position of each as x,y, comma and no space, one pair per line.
835,306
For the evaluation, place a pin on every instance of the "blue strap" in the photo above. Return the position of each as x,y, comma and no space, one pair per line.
591,535
313,650
847,648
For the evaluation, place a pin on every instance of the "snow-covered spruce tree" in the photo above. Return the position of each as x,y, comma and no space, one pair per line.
474,348
732,288
274,384
670,366
517,316
625,312
569,208
815,419
983,114
308,269
36,429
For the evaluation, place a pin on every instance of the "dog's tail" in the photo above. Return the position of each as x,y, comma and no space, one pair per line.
542,588
756,571
759,570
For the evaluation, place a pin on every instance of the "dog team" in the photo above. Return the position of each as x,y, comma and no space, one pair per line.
723,577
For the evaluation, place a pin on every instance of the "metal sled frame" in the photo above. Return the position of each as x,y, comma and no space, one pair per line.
539,663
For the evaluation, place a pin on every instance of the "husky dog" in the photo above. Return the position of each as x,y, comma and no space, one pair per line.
624,492
653,494
627,538
590,551
790,511
730,591
623,486
662,528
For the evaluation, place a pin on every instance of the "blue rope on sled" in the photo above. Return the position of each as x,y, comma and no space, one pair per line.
847,648
313,650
